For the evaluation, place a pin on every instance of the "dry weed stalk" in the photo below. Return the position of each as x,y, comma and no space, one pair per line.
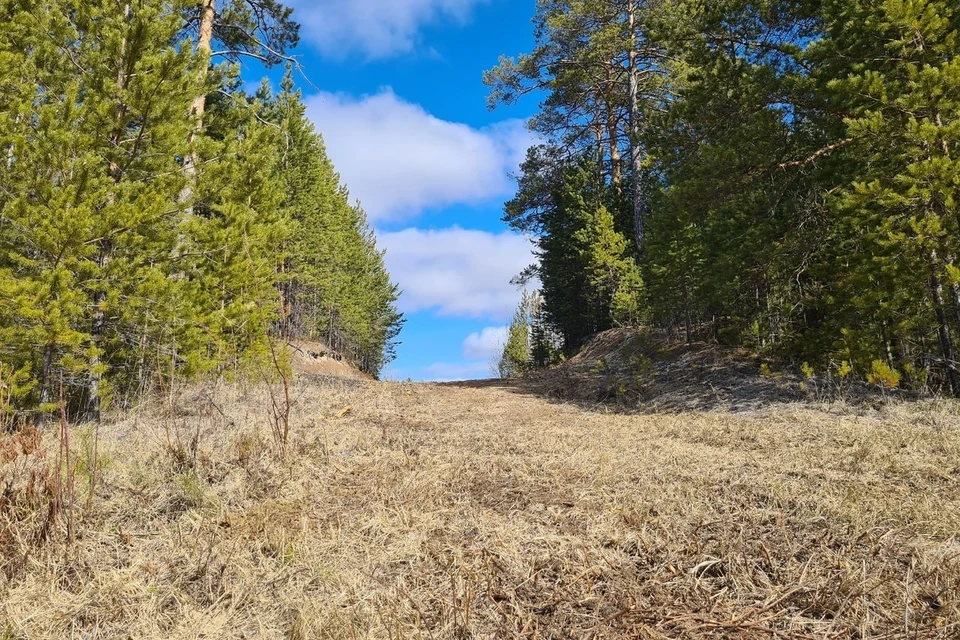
280,406
36,495
28,503
182,437
66,471
6,407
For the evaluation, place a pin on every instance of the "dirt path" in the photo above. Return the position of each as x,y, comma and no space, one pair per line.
485,510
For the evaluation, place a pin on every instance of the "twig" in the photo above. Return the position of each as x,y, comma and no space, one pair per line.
816,156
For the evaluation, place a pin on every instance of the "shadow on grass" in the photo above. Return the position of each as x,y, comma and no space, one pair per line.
695,378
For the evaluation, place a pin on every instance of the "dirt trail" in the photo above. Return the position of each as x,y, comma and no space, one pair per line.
488,510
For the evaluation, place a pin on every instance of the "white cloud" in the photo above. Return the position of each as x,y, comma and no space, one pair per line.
399,160
375,28
458,272
485,345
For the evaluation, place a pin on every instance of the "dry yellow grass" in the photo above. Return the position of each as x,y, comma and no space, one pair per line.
431,511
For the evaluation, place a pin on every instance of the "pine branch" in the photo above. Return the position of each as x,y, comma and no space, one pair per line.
816,156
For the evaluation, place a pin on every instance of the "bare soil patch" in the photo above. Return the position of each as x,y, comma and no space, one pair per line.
490,511
316,359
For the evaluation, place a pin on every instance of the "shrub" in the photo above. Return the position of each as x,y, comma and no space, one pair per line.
844,370
883,375
767,372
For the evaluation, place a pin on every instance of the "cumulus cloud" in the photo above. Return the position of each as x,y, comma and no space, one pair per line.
399,160
457,272
485,345
374,28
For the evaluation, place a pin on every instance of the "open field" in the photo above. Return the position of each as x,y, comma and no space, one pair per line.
490,511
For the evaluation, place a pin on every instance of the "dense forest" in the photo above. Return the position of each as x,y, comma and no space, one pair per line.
156,220
782,175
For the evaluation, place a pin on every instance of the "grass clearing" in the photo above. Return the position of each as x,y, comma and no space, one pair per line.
487,511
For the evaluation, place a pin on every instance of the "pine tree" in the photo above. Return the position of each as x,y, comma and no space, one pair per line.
799,175
897,244
104,285
545,344
235,241
258,29
336,286
602,68
93,171
516,357
612,272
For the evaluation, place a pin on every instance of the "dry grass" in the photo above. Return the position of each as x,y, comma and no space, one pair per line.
456,512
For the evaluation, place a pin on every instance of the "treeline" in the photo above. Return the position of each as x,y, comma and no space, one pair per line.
157,221
781,174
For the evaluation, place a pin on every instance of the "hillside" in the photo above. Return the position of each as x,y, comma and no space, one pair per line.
490,510
638,370
314,358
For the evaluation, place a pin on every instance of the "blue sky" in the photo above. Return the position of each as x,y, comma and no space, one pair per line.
399,100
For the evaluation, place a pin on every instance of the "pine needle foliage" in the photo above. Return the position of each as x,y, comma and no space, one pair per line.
117,266
798,173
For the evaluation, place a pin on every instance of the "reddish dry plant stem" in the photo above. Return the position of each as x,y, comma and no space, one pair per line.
281,411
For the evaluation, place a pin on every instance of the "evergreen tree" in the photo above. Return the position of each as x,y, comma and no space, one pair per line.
104,285
585,264
602,69
516,357
91,165
259,29
570,302
798,174
336,286
612,273
892,256
545,344
235,241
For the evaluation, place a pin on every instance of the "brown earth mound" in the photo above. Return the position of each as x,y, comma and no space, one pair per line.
315,358
644,371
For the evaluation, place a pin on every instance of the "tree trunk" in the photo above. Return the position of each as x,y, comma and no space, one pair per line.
636,153
616,162
208,12
598,133
885,336
97,331
98,320
955,298
10,147
943,328
613,134
46,376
